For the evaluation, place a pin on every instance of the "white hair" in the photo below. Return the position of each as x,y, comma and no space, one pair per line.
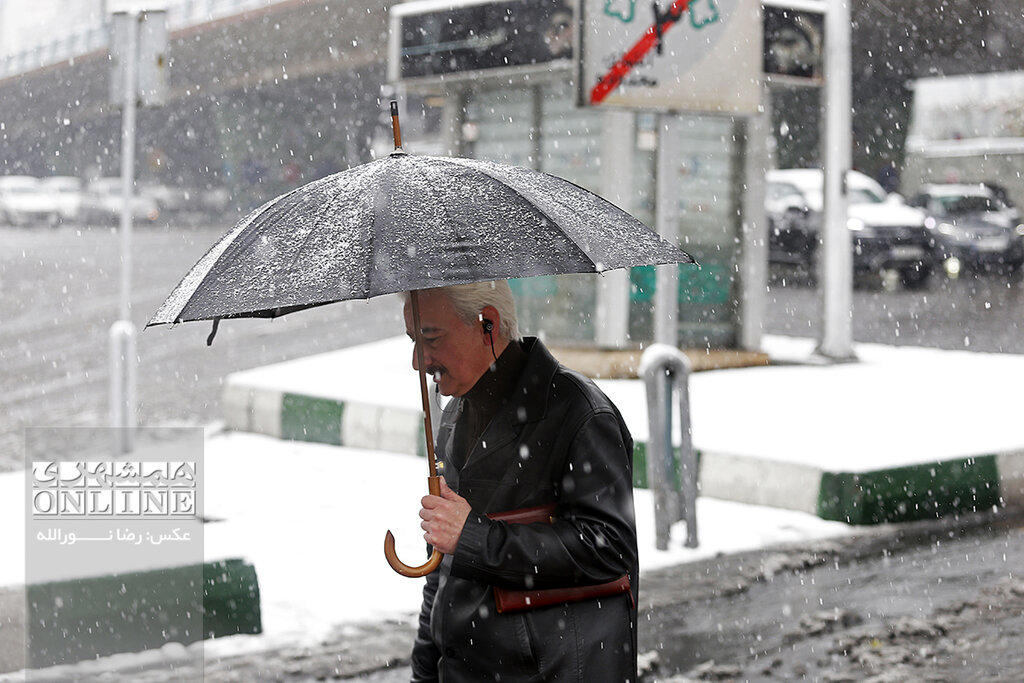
471,299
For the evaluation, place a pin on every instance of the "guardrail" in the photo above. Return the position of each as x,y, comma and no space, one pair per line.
671,478
180,13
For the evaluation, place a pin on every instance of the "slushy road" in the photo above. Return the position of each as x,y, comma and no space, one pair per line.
59,294
940,600
983,312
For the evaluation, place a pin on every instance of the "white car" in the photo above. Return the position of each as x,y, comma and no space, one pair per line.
66,194
24,203
102,203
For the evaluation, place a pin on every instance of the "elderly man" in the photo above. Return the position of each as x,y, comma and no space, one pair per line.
522,431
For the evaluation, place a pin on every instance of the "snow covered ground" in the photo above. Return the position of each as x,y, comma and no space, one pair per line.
312,517
897,406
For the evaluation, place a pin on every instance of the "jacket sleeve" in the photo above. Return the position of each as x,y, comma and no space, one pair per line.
425,654
593,539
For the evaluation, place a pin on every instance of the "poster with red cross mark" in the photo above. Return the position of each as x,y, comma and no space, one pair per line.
684,55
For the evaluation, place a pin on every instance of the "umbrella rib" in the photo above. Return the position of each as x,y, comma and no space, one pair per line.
322,213
458,234
258,214
371,248
535,208
211,259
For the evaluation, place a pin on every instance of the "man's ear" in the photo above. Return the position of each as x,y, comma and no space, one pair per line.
490,314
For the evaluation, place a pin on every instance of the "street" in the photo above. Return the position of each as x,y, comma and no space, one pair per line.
60,295
927,601
975,312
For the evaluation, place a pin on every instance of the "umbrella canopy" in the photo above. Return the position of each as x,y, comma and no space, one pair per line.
408,222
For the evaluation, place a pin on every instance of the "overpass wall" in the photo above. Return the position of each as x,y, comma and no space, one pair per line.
258,103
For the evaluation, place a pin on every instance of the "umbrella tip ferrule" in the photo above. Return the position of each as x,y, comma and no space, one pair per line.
396,127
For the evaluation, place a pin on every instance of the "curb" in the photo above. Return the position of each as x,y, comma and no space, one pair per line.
298,417
899,494
135,611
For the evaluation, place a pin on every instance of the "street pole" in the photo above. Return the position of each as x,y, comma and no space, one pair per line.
122,332
666,292
754,228
836,250
611,315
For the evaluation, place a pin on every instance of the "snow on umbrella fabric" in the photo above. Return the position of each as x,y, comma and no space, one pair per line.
405,223
408,222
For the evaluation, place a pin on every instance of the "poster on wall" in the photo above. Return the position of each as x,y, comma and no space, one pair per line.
794,39
471,38
683,55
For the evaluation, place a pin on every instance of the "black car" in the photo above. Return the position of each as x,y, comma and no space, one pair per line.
971,227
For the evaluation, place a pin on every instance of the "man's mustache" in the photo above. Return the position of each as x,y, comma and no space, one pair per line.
435,370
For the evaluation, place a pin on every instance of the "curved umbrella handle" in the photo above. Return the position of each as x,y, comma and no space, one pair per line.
434,487
405,570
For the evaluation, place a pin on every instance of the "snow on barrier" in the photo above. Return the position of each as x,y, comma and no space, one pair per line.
671,474
89,617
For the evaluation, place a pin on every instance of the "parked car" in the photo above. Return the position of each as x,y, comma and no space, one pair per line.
169,200
23,202
885,232
102,203
973,225
66,194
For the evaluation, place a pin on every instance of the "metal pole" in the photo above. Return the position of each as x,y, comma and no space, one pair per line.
659,453
536,131
666,294
754,247
611,314
661,366
836,249
687,456
122,333
454,118
128,166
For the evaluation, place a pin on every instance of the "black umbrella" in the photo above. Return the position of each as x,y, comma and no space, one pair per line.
404,223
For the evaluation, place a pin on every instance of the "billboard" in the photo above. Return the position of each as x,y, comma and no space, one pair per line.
438,40
686,55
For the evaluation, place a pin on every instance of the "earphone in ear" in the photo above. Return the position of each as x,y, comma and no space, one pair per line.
488,325
489,329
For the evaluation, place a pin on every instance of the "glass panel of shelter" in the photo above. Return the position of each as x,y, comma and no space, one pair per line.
561,309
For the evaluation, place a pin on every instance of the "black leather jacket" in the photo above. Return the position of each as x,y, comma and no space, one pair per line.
556,439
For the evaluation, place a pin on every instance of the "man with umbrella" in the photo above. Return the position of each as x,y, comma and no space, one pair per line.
534,538
522,432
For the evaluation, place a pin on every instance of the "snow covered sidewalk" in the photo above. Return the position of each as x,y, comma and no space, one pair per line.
906,433
311,519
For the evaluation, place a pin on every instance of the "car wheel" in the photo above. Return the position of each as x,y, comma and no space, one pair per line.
916,277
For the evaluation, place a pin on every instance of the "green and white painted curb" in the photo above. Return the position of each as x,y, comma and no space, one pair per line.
897,494
323,420
912,492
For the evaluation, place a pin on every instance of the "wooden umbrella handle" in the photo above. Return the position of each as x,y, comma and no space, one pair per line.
434,486
433,481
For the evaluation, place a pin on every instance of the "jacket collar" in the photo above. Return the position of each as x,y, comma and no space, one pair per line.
527,403
529,399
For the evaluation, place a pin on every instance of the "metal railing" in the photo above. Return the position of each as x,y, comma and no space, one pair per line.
672,479
180,13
